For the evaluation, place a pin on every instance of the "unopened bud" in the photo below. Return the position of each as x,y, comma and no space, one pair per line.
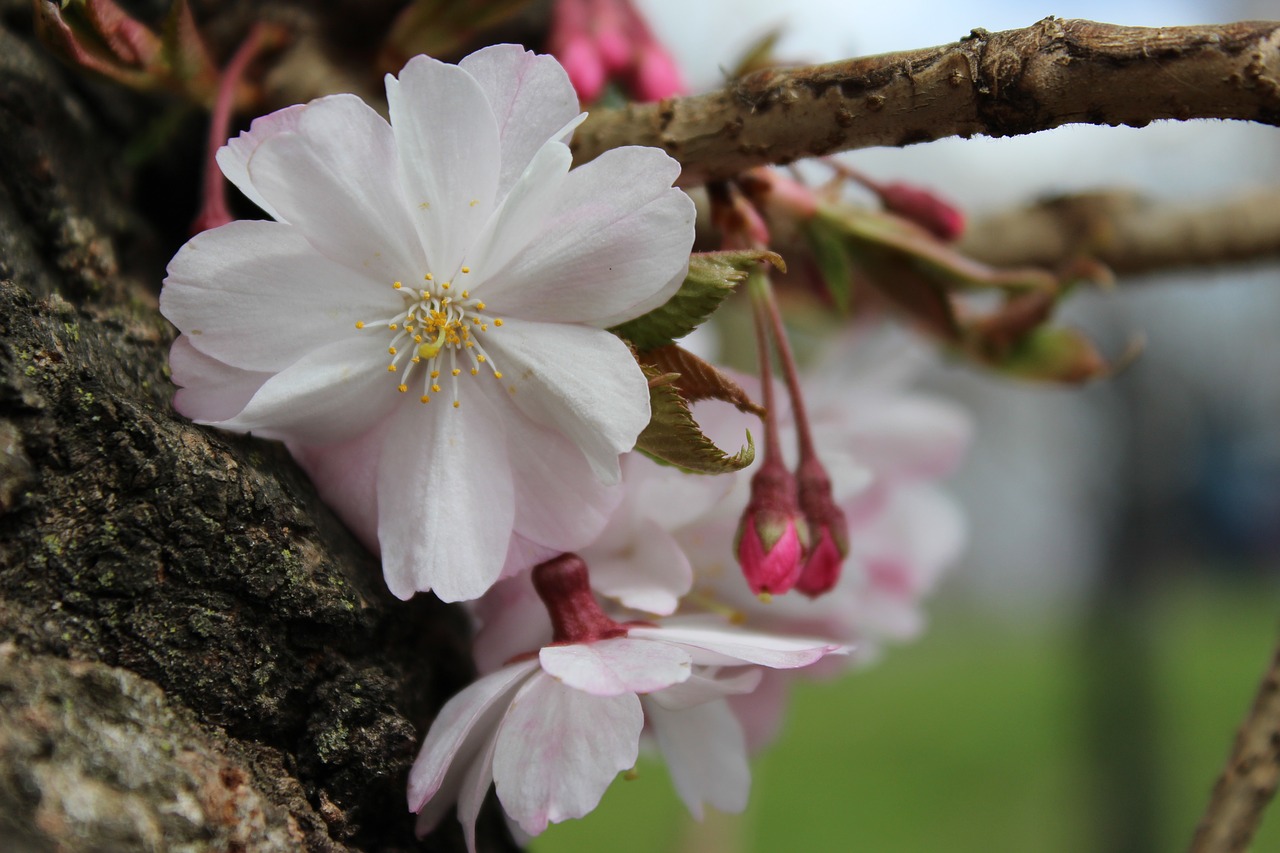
583,64
940,218
657,75
829,528
772,535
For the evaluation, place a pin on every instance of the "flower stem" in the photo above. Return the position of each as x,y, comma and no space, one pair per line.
769,310
759,291
214,210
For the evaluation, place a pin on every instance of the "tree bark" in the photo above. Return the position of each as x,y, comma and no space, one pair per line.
193,650
1053,73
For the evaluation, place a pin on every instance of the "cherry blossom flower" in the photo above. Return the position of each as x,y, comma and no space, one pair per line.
423,323
551,732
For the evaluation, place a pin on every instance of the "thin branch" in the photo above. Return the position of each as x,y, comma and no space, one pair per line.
1249,779
1053,73
1129,233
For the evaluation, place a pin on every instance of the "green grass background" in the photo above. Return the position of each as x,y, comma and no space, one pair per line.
973,739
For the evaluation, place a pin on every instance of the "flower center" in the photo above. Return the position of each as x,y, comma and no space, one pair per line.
439,331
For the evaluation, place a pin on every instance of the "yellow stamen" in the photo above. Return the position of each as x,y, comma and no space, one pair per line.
402,388
435,388
456,371
391,350
424,399
391,368
396,285
466,269
456,404
474,371
497,374
359,324
429,277
497,322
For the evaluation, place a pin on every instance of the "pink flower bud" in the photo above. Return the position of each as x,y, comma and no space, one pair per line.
564,585
772,535
657,76
940,218
583,64
830,528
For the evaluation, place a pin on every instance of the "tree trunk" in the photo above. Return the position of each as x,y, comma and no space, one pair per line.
194,653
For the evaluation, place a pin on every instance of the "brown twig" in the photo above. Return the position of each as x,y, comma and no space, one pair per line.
1000,84
1249,779
1128,233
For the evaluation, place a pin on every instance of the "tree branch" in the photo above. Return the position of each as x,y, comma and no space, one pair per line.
1053,73
1129,233
1248,782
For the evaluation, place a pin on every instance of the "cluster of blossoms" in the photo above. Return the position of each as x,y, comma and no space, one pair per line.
424,322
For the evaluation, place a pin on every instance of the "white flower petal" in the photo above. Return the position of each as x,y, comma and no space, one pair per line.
531,98
560,503
650,575
614,245
233,158
475,785
449,156
520,216
334,177
582,381
714,644
457,733
445,498
209,389
333,394
706,755
614,667
559,748
700,689
257,295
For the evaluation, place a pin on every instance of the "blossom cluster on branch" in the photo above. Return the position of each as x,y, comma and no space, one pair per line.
442,321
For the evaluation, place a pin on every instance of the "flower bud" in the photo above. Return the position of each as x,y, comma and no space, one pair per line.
938,217
772,535
656,74
583,64
830,530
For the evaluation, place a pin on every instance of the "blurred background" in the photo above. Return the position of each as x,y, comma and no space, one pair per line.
1086,665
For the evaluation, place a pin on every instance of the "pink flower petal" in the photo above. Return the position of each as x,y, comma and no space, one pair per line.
345,476
650,575
614,667
210,390
233,158
560,503
559,748
450,156
706,755
603,257
257,295
714,644
582,381
445,497
456,734
700,689
334,178
337,392
531,98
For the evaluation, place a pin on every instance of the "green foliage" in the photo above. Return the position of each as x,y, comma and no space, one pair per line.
674,437
712,276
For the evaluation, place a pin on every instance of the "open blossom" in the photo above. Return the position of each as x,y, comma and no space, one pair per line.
551,732
424,321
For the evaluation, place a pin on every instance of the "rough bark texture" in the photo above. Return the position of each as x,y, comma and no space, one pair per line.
194,653
999,84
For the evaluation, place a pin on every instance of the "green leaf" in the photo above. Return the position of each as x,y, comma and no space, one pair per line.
674,437
829,253
712,276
